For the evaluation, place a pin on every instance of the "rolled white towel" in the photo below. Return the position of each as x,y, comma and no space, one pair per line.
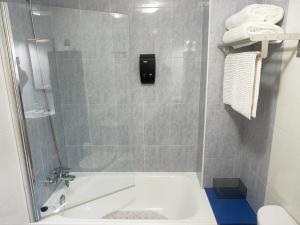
256,13
244,32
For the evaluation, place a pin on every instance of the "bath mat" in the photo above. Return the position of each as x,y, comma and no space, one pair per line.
135,215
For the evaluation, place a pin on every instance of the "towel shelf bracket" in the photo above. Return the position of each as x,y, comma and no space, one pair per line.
264,39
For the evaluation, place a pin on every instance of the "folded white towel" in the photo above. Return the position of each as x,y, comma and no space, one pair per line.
256,13
241,82
244,31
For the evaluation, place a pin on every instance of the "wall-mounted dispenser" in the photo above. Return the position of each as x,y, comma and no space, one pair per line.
147,68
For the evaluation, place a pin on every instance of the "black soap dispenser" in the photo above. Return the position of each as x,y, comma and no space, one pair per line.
147,68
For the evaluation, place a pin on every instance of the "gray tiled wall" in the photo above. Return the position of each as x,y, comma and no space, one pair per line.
234,146
223,126
111,121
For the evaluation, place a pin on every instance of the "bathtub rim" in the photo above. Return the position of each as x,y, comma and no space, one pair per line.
58,219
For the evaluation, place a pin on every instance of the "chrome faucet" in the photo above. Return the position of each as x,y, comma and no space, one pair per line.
60,174
66,176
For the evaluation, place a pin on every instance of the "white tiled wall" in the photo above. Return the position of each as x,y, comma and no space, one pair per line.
13,208
283,177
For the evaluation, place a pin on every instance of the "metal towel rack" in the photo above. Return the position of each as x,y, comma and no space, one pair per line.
264,39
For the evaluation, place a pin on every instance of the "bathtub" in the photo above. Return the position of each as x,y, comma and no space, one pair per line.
137,198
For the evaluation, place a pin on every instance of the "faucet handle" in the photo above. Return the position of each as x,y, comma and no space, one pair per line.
53,176
64,171
60,171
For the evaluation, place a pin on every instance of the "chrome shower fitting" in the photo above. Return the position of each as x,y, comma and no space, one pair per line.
60,174
62,200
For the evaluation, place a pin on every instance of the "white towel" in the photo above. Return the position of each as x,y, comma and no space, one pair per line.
244,32
256,13
241,82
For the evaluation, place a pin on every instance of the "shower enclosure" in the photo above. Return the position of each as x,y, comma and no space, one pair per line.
90,126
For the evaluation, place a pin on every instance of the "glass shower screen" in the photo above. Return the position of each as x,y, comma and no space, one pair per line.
72,69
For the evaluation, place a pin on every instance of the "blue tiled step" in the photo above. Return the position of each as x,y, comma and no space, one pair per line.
231,211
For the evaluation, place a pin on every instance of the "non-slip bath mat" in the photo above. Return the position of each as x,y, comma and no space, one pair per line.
135,215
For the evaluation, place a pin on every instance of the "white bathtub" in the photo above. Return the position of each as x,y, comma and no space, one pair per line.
176,197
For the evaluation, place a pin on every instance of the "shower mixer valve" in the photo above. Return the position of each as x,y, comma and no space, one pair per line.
60,174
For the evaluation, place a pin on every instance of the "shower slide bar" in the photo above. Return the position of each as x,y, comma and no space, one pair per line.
264,39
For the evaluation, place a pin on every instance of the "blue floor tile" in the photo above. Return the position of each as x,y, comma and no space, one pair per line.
231,211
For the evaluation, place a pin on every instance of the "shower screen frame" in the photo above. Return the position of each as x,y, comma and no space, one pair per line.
25,157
